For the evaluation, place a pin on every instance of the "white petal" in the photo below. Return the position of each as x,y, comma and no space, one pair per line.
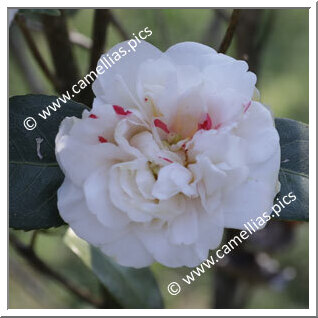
145,181
73,210
189,111
173,179
191,53
184,228
157,243
210,230
219,148
233,76
117,85
125,130
247,202
98,201
257,128
212,177
135,206
73,157
128,251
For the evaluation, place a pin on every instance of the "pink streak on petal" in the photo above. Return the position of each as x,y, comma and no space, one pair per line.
92,116
121,111
102,139
218,126
166,159
247,106
160,124
207,123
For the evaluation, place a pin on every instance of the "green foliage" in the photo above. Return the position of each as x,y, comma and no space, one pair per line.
293,175
132,288
34,181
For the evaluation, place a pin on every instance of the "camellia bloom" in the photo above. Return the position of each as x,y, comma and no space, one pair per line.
174,150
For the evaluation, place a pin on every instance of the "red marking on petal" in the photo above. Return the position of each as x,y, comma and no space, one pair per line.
160,124
206,124
92,116
121,111
146,99
102,139
247,106
218,126
170,161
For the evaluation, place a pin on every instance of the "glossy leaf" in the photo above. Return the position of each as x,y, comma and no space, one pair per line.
131,288
294,172
34,176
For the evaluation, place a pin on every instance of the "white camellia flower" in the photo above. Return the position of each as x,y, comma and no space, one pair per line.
173,151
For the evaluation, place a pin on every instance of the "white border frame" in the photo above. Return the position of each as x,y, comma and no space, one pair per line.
312,155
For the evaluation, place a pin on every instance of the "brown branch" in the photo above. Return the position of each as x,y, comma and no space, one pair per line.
56,31
101,22
29,254
34,50
119,27
230,31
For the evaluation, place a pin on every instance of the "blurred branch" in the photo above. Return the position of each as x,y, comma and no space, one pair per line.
80,39
212,35
56,31
229,32
18,49
229,292
252,36
34,50
243,268
29,254
101,22
33,239
118,26
222,13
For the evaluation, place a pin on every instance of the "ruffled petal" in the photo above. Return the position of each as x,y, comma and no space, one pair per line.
184,228
128,251
173,179
96,190
117,85
257,128
157,243
73,209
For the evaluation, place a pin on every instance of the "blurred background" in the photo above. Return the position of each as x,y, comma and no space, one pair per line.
274,272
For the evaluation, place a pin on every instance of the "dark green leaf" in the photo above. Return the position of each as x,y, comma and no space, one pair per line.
132,288
33,181
54,12
294,170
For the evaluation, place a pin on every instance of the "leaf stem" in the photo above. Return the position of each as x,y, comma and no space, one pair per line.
28,253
